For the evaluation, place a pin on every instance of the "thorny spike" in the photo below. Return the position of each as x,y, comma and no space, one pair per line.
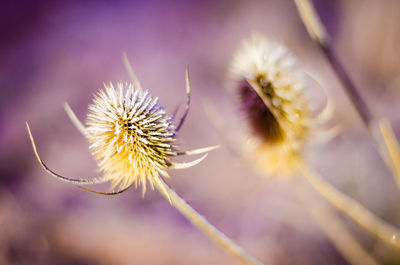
198,151
187,80
187,101
77,123
60,177
105,193
177,165
175,111
131,73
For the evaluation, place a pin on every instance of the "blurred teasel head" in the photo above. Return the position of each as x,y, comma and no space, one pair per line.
270,88
131,137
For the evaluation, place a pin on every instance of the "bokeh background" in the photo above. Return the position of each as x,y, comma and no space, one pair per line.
57,51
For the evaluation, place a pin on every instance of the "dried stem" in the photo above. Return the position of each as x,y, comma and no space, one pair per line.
392,147
318,33
351,90
331,226
199,221
361,215
334,229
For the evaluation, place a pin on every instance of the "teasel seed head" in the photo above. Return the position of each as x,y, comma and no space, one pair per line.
270,88
131,137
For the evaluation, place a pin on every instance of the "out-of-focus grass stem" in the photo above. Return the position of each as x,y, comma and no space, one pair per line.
361,215
334,229
392,147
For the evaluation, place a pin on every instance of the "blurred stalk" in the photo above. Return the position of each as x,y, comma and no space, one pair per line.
392,146
200,222
316,30
329,223
318,33
361,215
334,229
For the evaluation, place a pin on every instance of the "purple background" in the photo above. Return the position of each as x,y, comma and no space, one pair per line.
57,51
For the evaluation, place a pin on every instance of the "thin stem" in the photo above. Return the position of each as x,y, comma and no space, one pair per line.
311,20
361,215
334,229
351,90
392,147
201,223
318,33
329,223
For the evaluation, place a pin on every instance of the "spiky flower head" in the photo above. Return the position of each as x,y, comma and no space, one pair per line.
271,86
130,135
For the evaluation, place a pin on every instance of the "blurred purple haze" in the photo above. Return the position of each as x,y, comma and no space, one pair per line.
54,51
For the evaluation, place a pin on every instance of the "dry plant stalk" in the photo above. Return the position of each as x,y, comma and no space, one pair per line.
328,221
384,137
361,215
132,139
318,33
392,146
199,221
334,229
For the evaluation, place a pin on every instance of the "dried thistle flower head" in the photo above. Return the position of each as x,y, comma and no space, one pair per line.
131,137
271,86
